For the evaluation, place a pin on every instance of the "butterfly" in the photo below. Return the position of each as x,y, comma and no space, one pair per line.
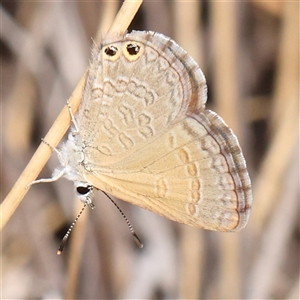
142,134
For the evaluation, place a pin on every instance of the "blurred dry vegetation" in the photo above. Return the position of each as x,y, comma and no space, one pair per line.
249,52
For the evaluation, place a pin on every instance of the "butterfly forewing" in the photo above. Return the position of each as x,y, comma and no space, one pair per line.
131,100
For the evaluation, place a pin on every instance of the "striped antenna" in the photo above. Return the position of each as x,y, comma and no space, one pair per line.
65,238
136,238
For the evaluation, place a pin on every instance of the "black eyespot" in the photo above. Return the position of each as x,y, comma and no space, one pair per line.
133,49
82,190
111,50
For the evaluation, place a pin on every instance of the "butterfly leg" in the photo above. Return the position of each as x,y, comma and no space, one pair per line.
72,116
58,173
56,151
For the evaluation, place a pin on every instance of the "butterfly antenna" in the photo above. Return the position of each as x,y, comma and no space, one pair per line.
65,238
136,238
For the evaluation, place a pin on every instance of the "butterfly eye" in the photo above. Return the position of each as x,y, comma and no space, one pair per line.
83,190
133,49
111,50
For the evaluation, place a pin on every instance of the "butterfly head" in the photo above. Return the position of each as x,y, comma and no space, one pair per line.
85,192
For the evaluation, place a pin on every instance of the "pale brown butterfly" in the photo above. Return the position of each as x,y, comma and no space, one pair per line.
142,134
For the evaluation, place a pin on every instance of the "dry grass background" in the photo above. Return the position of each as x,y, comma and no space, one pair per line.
249,52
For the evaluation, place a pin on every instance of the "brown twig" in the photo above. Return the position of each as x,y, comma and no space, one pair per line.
60,126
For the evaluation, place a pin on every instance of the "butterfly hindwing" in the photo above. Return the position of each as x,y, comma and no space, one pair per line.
184,175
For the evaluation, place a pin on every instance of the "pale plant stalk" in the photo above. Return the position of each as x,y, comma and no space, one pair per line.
60,126
77,243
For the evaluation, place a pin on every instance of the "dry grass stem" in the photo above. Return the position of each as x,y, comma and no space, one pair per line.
125,16
268,184
76,246
59,128
225,34
287,79
188,34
